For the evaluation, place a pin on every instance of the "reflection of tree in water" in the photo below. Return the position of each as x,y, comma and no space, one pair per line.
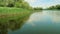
16,24
12,24
3,28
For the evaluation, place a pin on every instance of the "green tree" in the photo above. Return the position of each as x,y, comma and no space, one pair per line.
15,3
57,6
54,7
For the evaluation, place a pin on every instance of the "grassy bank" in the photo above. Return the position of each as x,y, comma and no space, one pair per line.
12,13
12,18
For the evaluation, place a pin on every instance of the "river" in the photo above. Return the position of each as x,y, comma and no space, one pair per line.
45,22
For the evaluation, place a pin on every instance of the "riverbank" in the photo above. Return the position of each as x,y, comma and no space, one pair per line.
12,18
7,13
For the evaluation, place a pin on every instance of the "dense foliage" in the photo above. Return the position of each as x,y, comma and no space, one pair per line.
54,7
15,3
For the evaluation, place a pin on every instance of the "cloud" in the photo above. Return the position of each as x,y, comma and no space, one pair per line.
43,3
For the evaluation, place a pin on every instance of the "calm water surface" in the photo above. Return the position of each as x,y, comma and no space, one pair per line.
45,22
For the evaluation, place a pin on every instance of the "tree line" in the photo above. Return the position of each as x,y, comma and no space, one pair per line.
54,7
14,3
37,8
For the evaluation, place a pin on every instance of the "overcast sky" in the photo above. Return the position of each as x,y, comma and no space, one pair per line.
42,3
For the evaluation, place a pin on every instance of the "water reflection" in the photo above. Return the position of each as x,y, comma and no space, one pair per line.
45,16
12,24
55,15
46,22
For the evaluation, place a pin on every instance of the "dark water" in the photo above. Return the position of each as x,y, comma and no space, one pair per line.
45,22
